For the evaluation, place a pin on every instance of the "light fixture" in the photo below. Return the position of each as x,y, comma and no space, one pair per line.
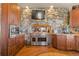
18,7
51,12
27,7
51,7
26,11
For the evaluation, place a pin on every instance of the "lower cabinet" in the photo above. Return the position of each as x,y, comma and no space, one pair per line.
0,48
71,42
61,42
9,51
54,40
66,42
77,43
11,45
15,44
19,42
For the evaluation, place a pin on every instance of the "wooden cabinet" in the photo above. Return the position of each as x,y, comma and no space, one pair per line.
13,14
61,42
15,44
54,40
70,42
74,17
4,29
0,29
77,43
10,14
66,41
0,46
11,46
13,19
19,42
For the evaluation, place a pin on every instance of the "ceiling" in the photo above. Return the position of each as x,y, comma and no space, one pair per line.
46,5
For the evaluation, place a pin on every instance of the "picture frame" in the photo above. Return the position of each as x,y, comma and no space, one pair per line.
13,30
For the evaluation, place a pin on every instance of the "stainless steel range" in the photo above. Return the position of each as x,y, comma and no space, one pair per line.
40,38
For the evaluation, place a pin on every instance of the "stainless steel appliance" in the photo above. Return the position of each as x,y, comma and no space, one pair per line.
40,38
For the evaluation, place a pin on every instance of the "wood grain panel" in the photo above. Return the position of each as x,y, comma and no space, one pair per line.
14,19
14,14
70,42
61,42
0,30
4,28
10,15
54,40
19,42
77,43
15,44
74,17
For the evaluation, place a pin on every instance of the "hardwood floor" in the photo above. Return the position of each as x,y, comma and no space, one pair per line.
44,51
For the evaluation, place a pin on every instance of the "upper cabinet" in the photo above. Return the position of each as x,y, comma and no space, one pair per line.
74,16
13,14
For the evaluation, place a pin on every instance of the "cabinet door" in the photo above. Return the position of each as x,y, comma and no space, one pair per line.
11,46
77,42
0,30
9,51
4,29
0,47
74,18
17,43
54,40
13,14
70,42
61,42
22,40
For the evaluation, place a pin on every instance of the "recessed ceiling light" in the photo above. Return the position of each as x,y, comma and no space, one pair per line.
52,6
18,7
27,7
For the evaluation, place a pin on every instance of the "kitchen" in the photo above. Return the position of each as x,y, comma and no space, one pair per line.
42,25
